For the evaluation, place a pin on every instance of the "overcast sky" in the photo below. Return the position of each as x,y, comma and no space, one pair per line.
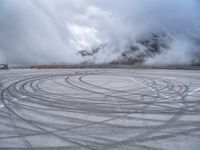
53,31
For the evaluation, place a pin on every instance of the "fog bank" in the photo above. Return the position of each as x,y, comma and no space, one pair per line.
54,31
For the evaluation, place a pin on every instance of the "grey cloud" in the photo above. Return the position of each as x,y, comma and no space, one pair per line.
43,31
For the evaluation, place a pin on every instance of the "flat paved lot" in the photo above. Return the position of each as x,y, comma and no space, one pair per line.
100,109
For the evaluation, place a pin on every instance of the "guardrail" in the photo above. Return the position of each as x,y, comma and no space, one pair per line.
120,66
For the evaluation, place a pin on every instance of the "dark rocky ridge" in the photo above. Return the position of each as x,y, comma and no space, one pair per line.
134,52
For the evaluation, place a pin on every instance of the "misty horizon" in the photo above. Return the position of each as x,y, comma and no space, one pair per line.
130,31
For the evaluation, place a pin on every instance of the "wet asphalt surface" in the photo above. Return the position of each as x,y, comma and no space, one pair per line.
100,109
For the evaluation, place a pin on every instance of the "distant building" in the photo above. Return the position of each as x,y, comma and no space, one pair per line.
3,66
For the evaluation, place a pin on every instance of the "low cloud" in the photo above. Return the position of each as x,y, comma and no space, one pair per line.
35,31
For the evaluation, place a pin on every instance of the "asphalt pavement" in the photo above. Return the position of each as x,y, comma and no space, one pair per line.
100,109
